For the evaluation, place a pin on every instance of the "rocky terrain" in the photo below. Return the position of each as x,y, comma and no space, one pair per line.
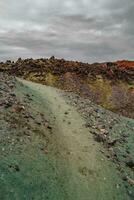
110,85
59,144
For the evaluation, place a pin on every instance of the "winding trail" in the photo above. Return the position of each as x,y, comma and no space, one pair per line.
46,151
79,169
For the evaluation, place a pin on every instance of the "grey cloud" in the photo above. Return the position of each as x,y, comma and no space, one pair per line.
82,30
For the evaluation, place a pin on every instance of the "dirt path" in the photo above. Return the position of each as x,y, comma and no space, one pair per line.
76,167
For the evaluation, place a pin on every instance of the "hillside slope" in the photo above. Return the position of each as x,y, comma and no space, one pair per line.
48,152
109,84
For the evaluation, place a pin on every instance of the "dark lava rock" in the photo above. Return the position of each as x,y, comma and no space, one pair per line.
100,138
8,104
66,113
15,167
13,94
130,162
112,142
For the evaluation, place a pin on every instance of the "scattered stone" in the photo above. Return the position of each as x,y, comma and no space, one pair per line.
37,122
13,94
1,103
18,108
130,163
104,131
11,85
47,125
100,138
112,142
66,113
46,151
8,104
15,167
128,179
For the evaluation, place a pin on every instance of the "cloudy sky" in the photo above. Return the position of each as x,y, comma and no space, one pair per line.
86,30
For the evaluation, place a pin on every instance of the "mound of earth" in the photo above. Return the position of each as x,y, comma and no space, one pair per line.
110,84
57,145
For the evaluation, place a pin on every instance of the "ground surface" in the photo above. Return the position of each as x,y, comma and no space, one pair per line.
49,150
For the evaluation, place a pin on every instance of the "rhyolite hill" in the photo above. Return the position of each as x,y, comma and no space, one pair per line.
109,84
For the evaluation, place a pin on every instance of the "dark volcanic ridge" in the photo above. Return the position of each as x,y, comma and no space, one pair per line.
109,84
120,70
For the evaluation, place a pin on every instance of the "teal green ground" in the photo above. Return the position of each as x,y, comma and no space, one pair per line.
64,163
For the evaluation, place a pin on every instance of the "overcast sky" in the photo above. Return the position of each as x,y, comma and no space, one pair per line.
86,30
